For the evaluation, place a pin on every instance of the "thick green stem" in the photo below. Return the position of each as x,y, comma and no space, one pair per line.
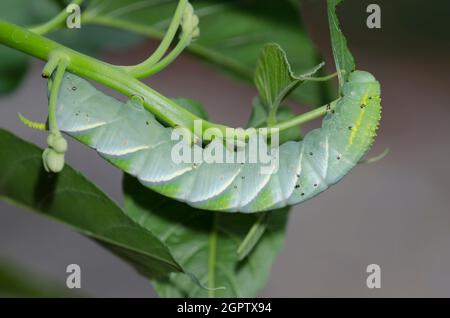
116,78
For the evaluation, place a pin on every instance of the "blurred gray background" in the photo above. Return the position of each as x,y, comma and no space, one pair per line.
394,213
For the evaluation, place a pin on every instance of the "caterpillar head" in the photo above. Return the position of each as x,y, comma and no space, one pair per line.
361,83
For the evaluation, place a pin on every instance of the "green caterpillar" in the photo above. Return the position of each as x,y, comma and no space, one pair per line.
132,139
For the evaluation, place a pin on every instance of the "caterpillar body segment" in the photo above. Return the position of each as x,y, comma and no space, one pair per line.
132,139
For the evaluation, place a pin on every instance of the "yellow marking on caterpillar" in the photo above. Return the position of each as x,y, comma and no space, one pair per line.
364,100
32,124
357,124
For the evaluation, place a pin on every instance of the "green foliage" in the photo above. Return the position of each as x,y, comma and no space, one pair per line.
70,198
343,58
205,244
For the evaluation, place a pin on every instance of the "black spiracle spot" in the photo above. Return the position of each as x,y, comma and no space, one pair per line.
147,123
311,154
315,184
350,127
297,186
302,194
338,158
74,88
235,186
243,177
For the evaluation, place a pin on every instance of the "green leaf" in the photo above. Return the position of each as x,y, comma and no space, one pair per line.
274,78
232,33
70,198
205,244
343,58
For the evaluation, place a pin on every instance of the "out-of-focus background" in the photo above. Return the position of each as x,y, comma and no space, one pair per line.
394,213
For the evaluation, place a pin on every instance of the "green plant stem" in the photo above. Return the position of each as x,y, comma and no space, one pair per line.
54,23
376,158
147,67
32,124
320,79
60,69
305,117
155,33
116,78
